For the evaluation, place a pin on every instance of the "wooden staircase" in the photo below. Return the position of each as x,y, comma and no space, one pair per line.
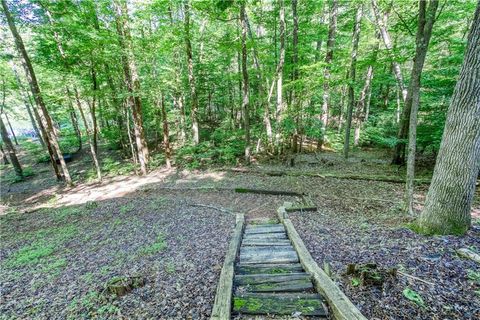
269,278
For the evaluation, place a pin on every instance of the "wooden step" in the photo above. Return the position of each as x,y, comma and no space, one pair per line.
268,268
271,254
263,225
243,279
301,285
256,236
274,229
268,242
279,303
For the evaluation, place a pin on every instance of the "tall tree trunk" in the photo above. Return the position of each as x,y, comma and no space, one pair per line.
90,135
352,76
133,82
261,87
74,120
4,156
387,41
93,108
11,150
426,19
451,192
11,129
166,134
363,104
281,62
245,97
332,29
32,79
399,152
191,75
294,102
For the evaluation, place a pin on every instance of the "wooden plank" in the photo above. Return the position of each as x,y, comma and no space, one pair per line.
257,230
269,278
300,285
223,298
277,254
282,304
268,268
263,225
282,235
342,307
277,242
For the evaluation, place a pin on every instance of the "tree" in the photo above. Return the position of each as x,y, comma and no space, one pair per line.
191,74
332,29
281,61
7,142
426,19
245,97
10,150
450,196
32,79
352,75
132,81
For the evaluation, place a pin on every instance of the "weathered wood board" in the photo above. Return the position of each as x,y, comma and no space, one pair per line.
282,304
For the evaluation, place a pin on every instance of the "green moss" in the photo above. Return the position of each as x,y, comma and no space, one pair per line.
29,255
159,245
250,303
450,227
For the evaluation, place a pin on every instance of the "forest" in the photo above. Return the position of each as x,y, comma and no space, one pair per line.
135,133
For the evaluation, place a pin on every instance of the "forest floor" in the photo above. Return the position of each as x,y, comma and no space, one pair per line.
60,247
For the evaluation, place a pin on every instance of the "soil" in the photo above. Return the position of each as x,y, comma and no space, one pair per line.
59,246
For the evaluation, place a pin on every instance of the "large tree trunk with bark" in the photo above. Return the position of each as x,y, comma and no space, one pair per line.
245,84
352,76
426,19
32,79
133,83
332,29
450,196
191,75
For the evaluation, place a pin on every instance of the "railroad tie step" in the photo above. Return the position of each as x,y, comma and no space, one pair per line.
293,282
268,254
273,268
307,304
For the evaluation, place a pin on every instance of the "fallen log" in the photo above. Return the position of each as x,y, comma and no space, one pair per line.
271,192
277,173
469,254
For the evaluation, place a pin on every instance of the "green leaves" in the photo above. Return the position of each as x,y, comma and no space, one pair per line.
413,296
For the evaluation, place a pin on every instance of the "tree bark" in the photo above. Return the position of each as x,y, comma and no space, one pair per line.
280,104
245,84
191,75
10,127
166,134
10,150
293,99
4,156
90,135
363,104
352,76
32,79
426,19
133,83
332,29
450,196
